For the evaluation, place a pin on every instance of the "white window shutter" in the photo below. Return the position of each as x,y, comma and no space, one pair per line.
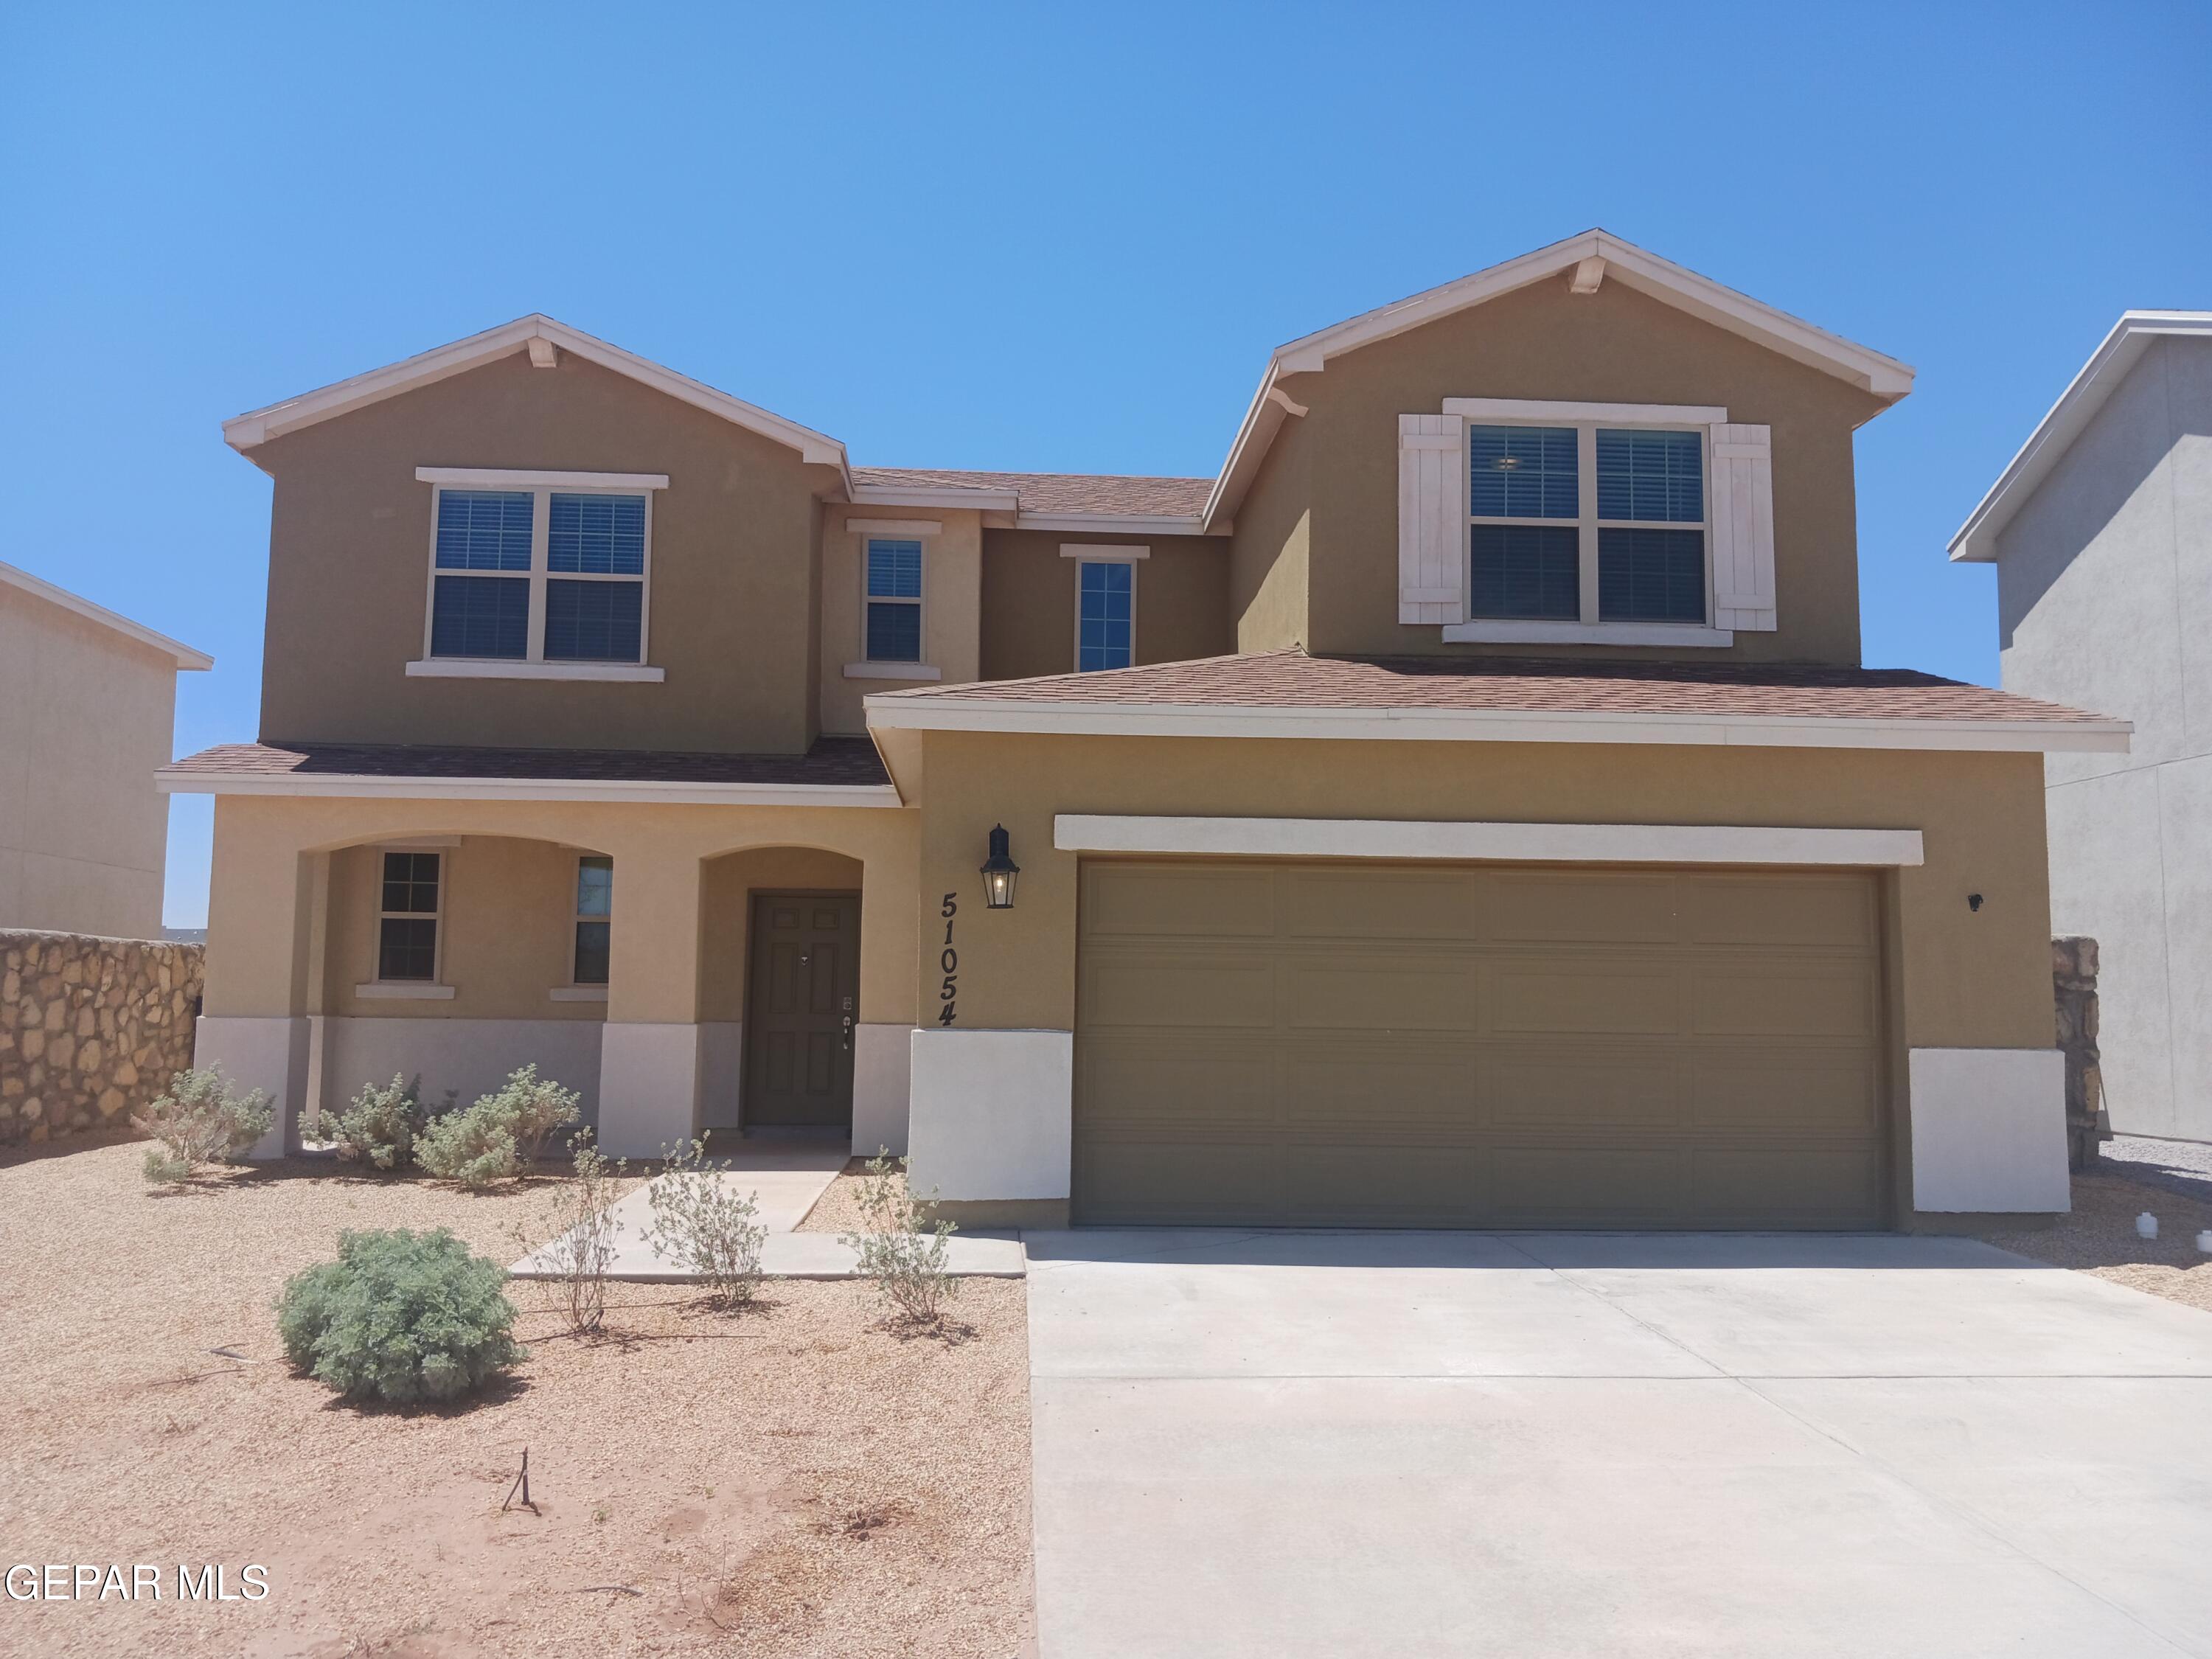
1741,513
1431,518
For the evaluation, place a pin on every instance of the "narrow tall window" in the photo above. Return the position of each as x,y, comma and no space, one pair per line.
1651,526
1105,615
894,619
595,904
595,597
1524,548
407,917
486,613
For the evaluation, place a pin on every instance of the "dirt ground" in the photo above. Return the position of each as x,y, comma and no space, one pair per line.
2100,1237
838,1209
798,1479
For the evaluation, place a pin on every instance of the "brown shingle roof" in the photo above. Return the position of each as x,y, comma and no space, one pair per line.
1292,679
1059,492
831,761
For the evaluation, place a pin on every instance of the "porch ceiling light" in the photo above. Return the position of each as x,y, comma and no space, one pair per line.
999,872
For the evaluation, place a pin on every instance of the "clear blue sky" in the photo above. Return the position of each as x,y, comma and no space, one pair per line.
1030,238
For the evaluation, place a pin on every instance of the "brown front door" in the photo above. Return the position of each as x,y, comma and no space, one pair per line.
804,987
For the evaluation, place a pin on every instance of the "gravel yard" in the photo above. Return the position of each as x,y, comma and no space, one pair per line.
838,1209
798,1480
2100,1237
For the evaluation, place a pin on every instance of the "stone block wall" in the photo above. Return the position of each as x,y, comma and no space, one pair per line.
90,1029
2074,980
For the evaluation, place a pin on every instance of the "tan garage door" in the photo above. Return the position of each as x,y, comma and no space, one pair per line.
1316,1044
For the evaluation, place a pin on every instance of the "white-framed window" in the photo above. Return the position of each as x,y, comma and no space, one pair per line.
590,957
892,621
1105,603
410,907
538,574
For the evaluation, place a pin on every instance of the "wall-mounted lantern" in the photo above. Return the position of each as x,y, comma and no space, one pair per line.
999,872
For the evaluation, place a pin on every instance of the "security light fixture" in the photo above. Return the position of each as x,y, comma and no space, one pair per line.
999,872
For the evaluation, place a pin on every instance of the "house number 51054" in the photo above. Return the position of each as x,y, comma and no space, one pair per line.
950,962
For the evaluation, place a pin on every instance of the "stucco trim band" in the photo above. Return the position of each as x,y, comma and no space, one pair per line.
1518,843
991,1114
1988,1130
641,791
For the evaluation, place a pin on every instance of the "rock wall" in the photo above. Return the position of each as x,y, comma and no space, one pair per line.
90,1029
2073,979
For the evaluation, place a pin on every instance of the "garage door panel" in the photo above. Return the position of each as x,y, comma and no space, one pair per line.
1158,988
1352,1183
1583,998
1413,1093
1811,910
1797,1185
1177,901
1589,1187
1392,905
1552,1087
1219,1182
1594,907
1357,991
1159,1084
1797,1090
1776,999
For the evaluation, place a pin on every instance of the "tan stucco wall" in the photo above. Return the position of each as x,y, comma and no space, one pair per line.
86,719
278,946
733,601
1967,979
1269,557
1029,600
730,884
1542,341
952,565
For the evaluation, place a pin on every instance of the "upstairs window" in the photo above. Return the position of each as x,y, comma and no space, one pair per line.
407,917
1105,615
1525,548
1650,527
894,602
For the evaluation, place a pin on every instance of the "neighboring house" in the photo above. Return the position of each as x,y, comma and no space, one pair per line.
1465,808
88,713
2101,531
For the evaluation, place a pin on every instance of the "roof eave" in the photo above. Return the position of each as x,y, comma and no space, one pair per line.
188,659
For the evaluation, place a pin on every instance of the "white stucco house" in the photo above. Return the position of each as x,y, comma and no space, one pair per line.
87,714
2101,531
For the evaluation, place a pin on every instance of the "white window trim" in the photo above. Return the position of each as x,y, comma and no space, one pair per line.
1128,555
533,664
576,990
434,988
902,529
918,668
1590,628
1102,552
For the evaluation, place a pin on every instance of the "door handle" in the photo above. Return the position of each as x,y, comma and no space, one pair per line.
845,1035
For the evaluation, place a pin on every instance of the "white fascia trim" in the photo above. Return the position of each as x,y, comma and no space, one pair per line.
187,657
506,668
1518,843
393,990
244,432
981,500
648,792
1102,552
915,527
1537,408
2084,395
493,478
577,994
1121,523
1487,725
892,671
1498,631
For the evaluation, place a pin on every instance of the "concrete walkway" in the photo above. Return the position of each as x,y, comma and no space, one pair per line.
786,1179
1286,1444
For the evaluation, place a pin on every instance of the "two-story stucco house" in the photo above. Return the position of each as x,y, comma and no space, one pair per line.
87,714
1468,807
2101,531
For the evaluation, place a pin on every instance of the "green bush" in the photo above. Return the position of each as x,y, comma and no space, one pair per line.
201,1119
495,1139
400,1316
708,1222
379,1128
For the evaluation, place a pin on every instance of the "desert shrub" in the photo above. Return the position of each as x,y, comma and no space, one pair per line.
201,1119
584,1231
900,1244
378,1127
704,1222
494,1139
400,1316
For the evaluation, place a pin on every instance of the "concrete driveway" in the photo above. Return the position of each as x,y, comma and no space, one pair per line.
1347,1444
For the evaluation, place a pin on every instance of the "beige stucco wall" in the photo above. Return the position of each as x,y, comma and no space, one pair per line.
86,719
1029,600
1966,978
733,599
951,566
289,913
1340,483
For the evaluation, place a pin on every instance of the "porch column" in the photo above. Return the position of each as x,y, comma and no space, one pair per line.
649,1057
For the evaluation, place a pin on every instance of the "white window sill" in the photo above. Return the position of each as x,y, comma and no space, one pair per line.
1501,632
577,994
494,668
892,671
403,990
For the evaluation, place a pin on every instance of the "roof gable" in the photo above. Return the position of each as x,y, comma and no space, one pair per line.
245,432
1593,257
185,657
2132,336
